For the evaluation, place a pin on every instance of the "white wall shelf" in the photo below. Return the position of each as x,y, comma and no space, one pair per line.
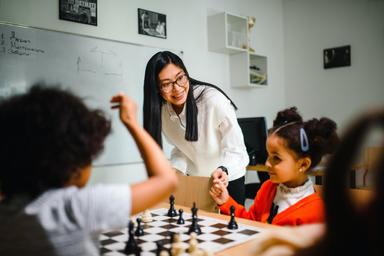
227,33
248,70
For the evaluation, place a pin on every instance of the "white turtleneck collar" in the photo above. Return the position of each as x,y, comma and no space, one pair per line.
286,197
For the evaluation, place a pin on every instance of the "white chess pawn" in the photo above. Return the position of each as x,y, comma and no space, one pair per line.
192,244
177,247
146,217
164,253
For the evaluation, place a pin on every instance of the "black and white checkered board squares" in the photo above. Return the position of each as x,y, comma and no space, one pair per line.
215,235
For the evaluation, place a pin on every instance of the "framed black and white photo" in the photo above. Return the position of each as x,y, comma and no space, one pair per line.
152,23
337,57
81,11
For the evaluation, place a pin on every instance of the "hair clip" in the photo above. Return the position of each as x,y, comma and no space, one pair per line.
304,140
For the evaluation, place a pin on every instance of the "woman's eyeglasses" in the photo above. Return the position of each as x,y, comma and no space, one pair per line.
167,87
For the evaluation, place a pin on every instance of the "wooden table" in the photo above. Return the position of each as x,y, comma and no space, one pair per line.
244,249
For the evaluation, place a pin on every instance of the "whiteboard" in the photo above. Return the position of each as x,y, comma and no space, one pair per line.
92,68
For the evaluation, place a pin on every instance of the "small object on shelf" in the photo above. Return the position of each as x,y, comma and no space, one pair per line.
256,75
251,24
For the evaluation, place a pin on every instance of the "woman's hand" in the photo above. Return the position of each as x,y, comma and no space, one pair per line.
127,108
219,192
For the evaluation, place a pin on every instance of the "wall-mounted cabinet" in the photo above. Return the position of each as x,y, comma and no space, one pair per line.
227,33
248,70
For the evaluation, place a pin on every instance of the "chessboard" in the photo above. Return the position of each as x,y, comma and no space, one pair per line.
215,235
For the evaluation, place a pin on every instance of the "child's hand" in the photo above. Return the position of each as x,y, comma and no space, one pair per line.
127,108
219,174
219,192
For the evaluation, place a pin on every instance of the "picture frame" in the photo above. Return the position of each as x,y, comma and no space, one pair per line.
152,23
80,11
337,57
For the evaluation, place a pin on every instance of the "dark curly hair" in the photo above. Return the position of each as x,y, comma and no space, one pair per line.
321,134
46,135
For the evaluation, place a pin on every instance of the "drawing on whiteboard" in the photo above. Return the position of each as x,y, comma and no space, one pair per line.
106,62
2,43
92,68
22,47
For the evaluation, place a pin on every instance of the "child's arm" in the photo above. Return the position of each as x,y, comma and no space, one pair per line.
162,178
221,196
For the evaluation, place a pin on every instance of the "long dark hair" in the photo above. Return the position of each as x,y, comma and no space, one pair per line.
352,230
153,100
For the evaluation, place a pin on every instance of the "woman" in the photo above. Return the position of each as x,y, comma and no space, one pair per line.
198,119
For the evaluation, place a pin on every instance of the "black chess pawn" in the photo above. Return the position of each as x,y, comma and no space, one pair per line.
172,211
139,229
232,223
180,220
131,246
159,248
195,225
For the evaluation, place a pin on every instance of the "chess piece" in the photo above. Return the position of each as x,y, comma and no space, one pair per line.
159,248
192,243
232,223
194,210
172,211
146,217
194,226
139,229
180,220
131,246
193,250
164,253
176,246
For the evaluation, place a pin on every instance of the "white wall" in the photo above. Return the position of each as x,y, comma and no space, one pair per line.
268,40
187,31
340,93
292,33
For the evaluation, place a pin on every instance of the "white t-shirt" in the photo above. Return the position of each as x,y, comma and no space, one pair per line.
220,140
73,218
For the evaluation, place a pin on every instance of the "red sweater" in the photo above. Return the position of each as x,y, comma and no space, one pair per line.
310,209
